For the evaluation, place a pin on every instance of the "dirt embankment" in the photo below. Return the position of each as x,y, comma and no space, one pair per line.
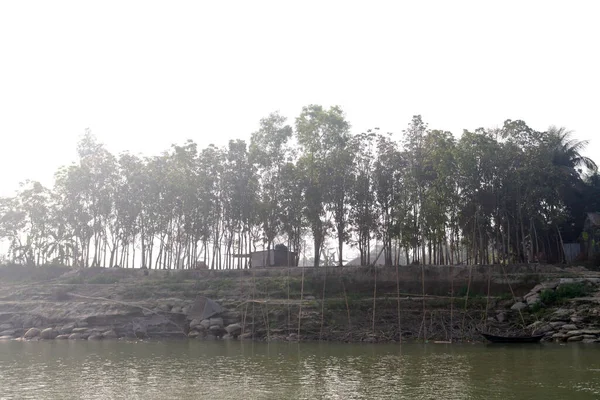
341,304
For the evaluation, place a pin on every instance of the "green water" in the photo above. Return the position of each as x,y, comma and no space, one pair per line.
234,370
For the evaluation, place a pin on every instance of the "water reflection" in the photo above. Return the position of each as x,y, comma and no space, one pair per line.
233,370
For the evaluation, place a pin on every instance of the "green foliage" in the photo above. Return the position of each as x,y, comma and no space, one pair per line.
510,194
551,297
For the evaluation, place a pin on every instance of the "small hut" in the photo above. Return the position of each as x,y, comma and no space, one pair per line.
591,235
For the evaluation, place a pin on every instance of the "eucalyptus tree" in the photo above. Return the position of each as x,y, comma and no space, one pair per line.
363,215
320,132
388,174
269,151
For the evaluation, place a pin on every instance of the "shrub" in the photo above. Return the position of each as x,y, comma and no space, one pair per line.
567,291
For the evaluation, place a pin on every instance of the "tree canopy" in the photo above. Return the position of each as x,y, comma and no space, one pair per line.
511,194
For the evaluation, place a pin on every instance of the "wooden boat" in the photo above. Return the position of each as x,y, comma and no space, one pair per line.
512,339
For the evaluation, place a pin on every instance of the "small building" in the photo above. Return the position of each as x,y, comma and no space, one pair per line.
591,235
279,257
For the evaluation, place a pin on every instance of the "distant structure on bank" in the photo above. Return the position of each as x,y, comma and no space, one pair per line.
280,256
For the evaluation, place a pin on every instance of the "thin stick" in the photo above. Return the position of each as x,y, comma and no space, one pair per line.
374,299
301,299
466,300
323,304
423,292
451,300
398,295
487,302
347,308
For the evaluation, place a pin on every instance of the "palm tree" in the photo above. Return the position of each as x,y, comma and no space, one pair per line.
567,151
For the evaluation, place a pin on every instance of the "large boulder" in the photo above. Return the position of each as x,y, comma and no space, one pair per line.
110,334
234,329
75,336
533,299
562,314
568,327
217,322
66,329
197,324
49,334
32,333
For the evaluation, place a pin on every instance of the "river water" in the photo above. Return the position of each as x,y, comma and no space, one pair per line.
246,370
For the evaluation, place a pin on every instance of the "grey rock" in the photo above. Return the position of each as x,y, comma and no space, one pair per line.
533,299
557,324
562,314
217,322
66,329
6,338
62,337
197,324
501,317
591,331
234,329
185,310
576,320
574,333
589,337
9,332
5,327
176,310
110,335
210,337
518,306
559,336
49,334
227,337
82,324
536,289
544,329
32,333
95,336
568,327
575,339
550,285
205,323
80,330
75,336
194,334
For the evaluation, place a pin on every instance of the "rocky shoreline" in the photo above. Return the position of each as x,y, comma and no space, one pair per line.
128,305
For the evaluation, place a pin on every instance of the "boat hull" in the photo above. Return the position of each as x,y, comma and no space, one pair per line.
512,339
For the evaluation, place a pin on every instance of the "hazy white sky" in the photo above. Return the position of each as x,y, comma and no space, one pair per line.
144,74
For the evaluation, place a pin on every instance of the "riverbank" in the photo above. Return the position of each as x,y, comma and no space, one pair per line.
385,304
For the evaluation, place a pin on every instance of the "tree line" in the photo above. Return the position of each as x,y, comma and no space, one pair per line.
509,194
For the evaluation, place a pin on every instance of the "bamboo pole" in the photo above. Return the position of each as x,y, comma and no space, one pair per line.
398,295
374,299
462,328
301,299
347,307
323,304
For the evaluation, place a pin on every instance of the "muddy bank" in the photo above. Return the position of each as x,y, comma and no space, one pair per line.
337,304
